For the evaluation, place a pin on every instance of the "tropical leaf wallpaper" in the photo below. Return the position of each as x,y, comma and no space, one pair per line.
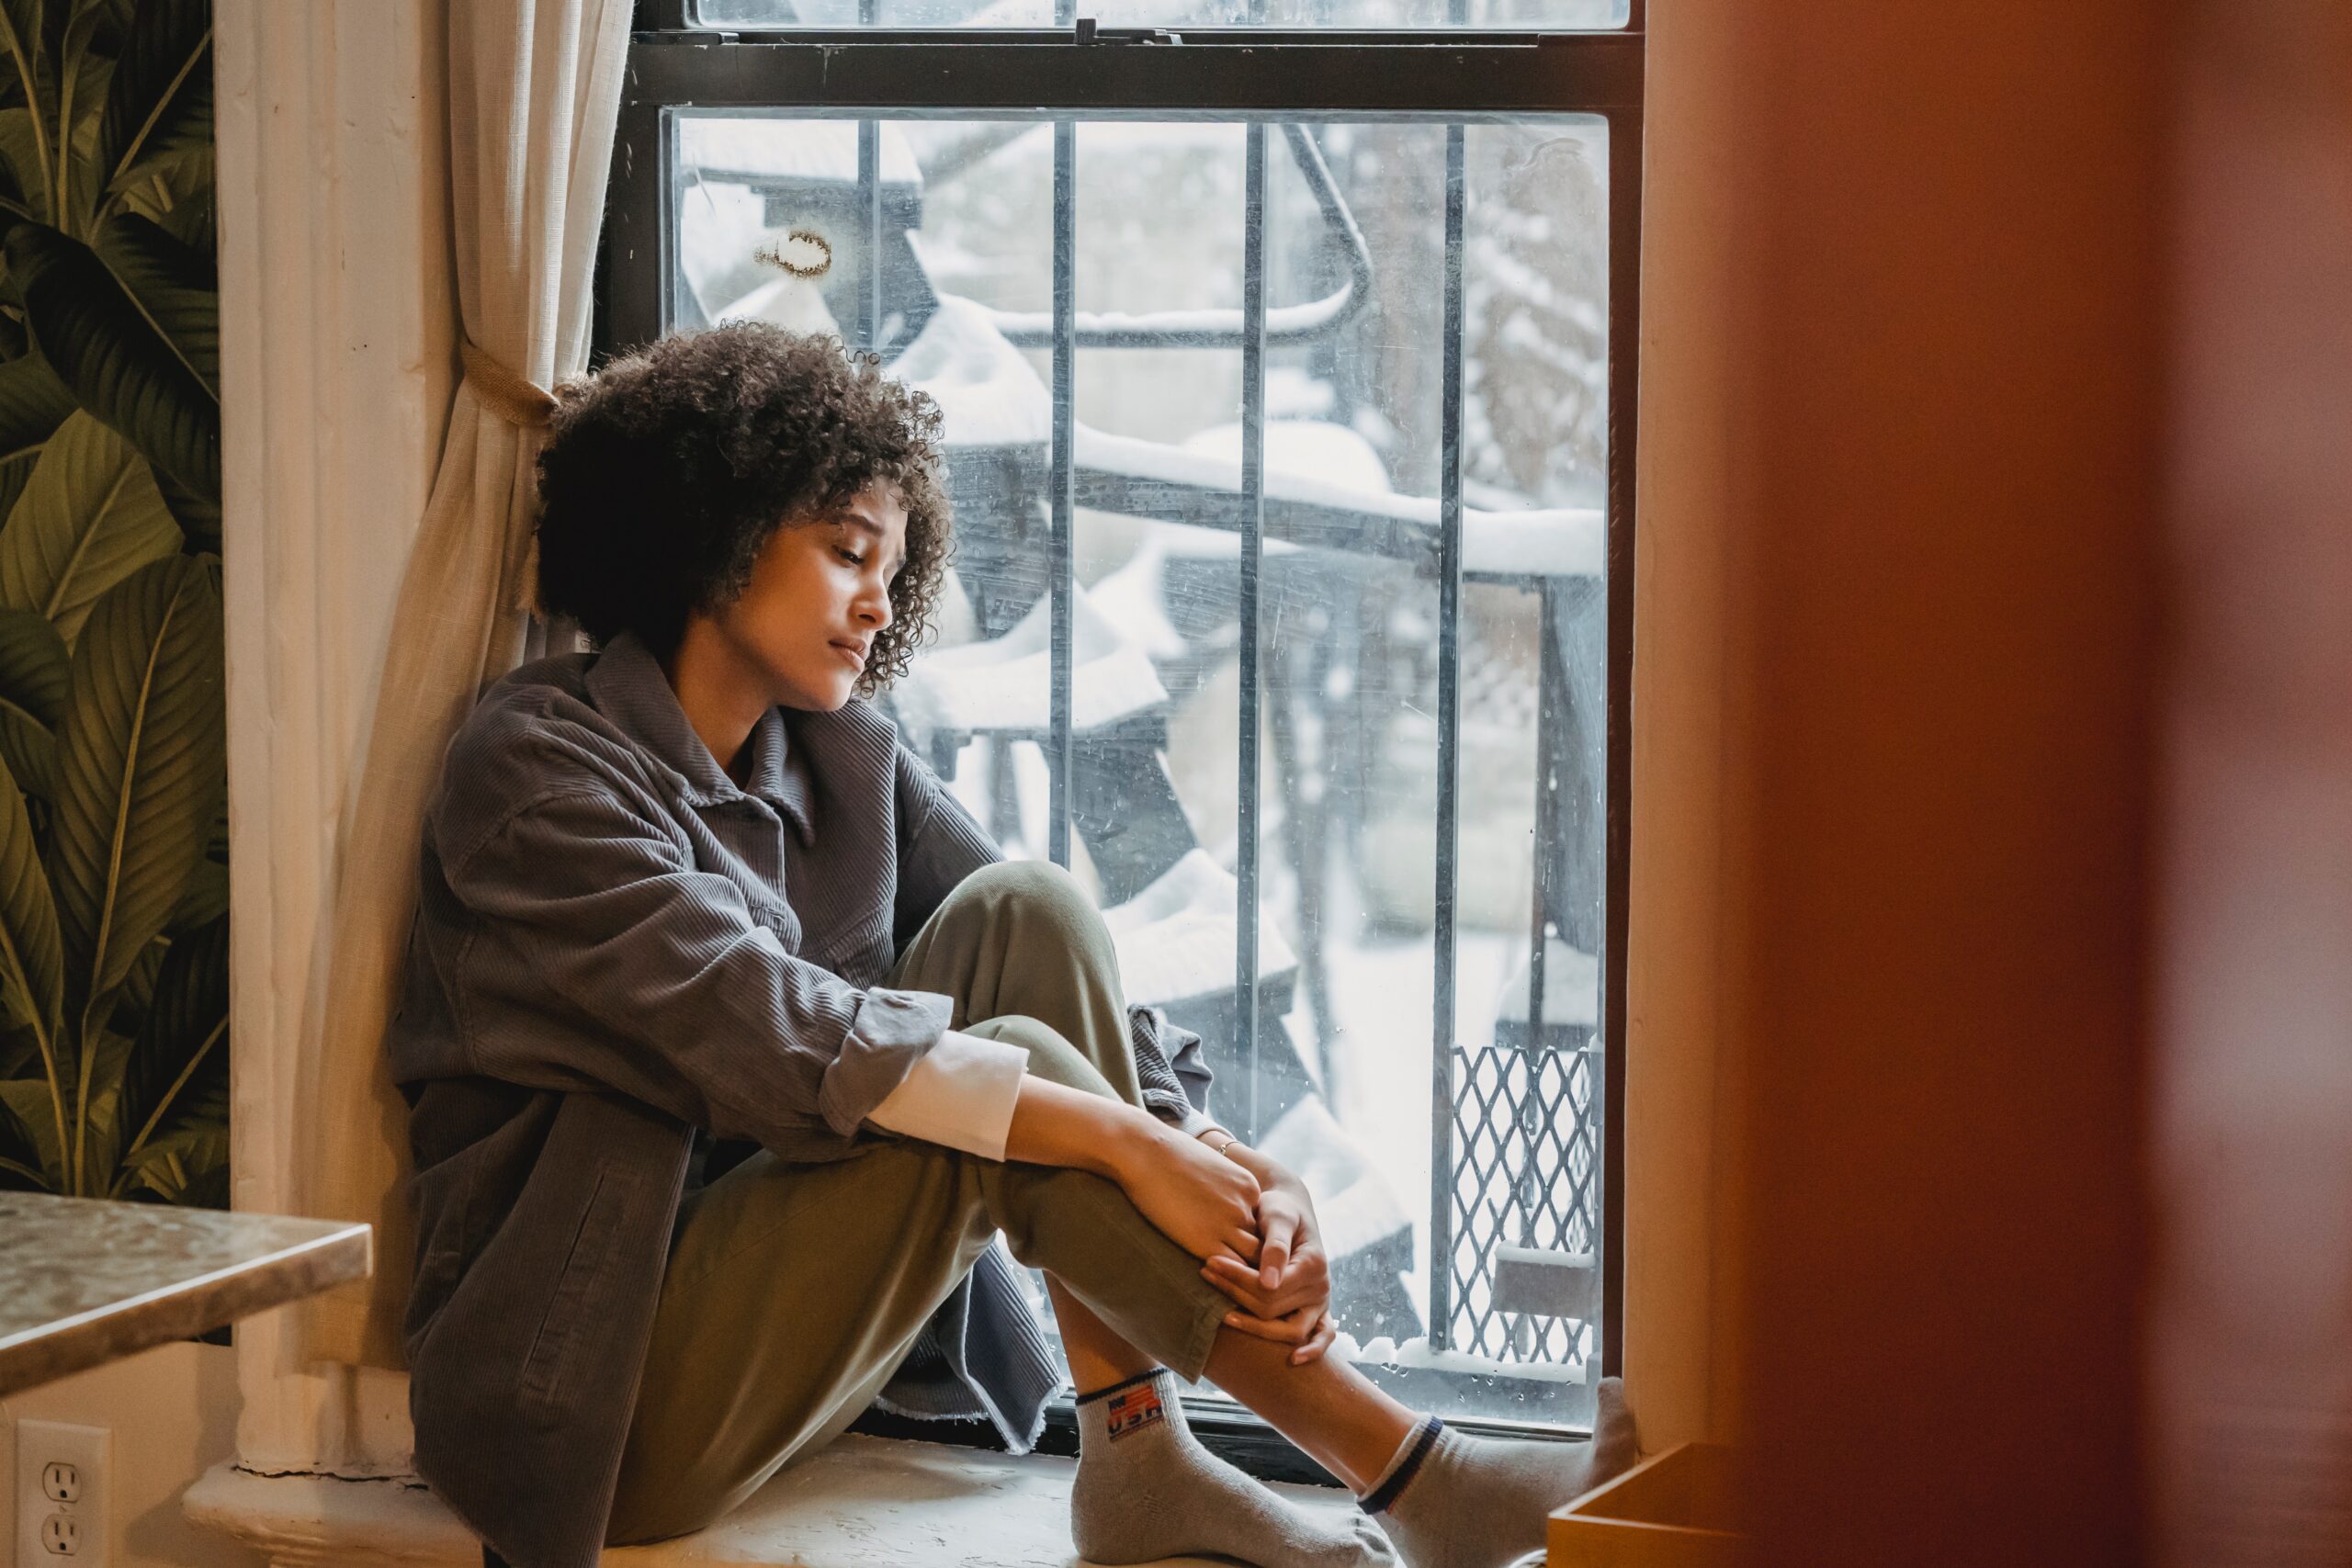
114,879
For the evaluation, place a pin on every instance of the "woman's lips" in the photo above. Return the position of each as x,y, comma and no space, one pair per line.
849,651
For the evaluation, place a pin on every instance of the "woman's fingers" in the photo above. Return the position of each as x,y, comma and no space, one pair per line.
1273,1254
1295,1329
1237,1280
1240,1281
1318,1342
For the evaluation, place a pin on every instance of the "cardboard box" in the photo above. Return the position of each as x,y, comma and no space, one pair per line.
1673,1510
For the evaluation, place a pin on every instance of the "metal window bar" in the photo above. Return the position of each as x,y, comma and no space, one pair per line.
1253,527
869,195
1307,77
1442,1176
1060,758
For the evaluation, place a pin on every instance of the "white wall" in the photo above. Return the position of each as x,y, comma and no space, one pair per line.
337,359
173,1414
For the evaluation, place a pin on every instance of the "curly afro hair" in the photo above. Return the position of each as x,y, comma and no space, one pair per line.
667,471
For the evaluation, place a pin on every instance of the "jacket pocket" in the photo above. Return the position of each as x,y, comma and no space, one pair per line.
582,1290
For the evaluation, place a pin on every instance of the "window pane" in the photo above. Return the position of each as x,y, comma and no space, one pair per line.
1345,849
1521,15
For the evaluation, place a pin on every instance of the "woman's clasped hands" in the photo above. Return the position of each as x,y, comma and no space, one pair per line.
1251,1222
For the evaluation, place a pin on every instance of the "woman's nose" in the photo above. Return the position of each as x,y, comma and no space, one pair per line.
874,607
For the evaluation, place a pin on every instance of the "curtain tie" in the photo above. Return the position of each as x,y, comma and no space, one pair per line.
512,398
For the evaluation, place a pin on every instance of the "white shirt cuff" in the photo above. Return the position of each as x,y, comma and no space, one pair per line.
960,1093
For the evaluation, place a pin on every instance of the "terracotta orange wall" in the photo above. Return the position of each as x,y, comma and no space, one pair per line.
1941,508
2250,1371
1680,1221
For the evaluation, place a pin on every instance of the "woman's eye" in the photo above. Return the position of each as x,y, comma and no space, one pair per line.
853,557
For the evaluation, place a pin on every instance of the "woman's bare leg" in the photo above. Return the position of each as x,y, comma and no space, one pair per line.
1341,1417
1348,1424
1097,1356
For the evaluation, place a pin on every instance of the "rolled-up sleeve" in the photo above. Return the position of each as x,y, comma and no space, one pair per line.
602,905
1171,1070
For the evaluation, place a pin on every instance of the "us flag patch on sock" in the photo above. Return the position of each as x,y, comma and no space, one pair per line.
1131,1412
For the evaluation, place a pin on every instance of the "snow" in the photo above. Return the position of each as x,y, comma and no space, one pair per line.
765,149
795,303
1175,939
1416,1353
1282,320
1571,988
989,395
1133,599
1307,448
1007,683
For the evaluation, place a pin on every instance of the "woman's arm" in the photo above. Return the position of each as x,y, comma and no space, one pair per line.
1205,1204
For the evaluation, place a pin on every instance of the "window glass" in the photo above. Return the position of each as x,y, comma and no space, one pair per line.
1469,1285
1518,14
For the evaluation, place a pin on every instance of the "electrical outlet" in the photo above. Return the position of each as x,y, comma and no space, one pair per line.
63,1475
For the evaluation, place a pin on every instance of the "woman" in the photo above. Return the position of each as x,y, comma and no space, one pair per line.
689,896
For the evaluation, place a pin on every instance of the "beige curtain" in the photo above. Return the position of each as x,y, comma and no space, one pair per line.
534,95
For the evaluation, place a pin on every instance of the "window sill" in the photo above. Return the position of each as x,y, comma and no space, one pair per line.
864,1503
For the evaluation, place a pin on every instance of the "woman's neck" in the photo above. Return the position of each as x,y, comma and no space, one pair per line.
722,696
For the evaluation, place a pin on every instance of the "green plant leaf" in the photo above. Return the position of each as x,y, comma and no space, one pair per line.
205,897
35,670
20,1161
88,518
32,955
17,1048
33,403
187,1020
179,200
28,57
181,154
28,1101
99,1140
112,357
138,771
33,674
175,287
196,1141
138,989
162,87
85,65
23,193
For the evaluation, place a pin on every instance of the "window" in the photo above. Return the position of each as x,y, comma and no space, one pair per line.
1288,379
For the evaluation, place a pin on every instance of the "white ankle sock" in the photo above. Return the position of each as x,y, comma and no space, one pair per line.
1452,1501
1146,1489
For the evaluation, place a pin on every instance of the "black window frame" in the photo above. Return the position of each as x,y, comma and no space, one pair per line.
1265,77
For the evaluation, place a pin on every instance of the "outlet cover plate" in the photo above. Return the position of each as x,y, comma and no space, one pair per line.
89,1449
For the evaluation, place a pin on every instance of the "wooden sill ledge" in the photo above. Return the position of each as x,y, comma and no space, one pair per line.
864,1503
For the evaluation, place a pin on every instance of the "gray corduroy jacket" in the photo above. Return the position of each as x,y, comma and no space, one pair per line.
619,956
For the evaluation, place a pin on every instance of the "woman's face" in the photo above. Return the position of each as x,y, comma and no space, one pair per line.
819,591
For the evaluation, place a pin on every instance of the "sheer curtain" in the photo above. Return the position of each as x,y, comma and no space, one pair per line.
534,92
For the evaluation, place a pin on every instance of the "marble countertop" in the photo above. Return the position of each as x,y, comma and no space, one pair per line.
84,1281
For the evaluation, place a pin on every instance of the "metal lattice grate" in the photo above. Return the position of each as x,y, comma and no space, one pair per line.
1526,1174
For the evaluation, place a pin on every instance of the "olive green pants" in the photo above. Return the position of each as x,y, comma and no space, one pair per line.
794,1290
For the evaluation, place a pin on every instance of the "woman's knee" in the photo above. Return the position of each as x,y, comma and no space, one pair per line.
1035,889
1051,1056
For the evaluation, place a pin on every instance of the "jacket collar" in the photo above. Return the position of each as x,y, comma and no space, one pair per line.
629,687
